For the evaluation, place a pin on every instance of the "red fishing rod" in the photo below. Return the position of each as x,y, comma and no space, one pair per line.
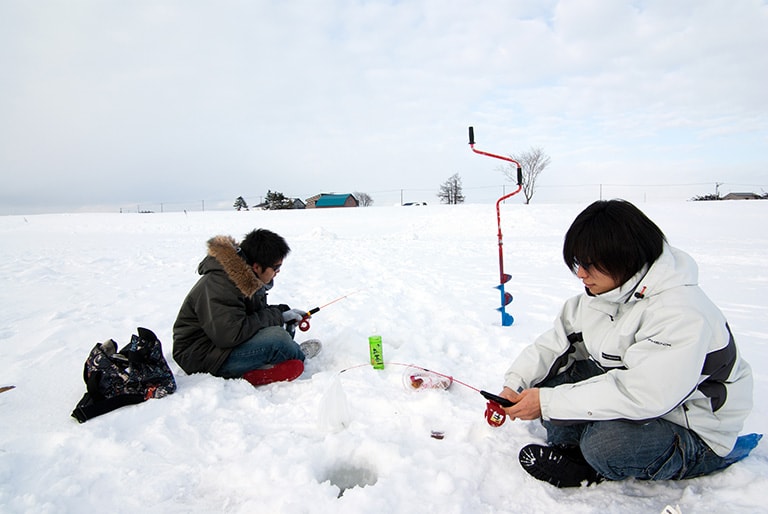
506,298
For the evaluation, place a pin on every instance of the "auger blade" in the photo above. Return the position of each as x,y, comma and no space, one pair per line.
507,278
507,300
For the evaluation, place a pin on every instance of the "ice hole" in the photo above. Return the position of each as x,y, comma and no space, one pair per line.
347,476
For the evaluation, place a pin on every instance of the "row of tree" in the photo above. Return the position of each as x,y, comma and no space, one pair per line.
716,196
532,163
275,200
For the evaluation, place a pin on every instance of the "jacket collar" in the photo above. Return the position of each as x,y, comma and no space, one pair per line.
673,268
224,250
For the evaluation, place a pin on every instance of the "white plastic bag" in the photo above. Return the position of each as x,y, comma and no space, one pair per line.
334,412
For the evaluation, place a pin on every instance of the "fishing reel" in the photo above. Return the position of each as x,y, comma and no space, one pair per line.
494,409
494,414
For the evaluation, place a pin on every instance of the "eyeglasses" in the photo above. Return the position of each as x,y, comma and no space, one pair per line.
277,266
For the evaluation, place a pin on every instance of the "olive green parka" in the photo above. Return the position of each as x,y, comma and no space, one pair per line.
225,308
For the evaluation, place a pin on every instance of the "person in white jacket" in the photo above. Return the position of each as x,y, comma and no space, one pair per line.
640,375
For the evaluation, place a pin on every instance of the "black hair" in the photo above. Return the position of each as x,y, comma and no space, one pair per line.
615,237
263,247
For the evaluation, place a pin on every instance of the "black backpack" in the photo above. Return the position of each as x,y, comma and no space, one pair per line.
114,379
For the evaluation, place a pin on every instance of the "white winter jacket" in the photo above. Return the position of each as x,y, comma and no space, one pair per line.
667,349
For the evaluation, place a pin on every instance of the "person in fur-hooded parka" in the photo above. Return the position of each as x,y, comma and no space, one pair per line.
228,307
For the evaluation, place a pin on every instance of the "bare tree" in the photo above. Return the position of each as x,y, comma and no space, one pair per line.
532,162
451,191
363,199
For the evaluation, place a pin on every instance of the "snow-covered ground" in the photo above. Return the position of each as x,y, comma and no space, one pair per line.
422,278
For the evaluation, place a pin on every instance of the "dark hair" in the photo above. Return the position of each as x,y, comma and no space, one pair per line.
615,237
263,247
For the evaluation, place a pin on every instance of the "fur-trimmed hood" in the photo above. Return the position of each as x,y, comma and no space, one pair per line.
222,250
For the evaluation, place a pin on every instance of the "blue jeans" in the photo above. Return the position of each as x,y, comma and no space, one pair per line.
270,345
655,450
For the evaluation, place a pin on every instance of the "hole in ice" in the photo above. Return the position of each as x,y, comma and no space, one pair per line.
347,476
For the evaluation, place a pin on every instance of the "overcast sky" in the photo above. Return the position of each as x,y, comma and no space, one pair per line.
125,103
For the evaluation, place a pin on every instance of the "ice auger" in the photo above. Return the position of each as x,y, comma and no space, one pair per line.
506,298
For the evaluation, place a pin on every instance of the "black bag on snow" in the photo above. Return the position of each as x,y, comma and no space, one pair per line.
114,379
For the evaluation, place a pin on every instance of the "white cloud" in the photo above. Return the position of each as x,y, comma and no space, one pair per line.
183,100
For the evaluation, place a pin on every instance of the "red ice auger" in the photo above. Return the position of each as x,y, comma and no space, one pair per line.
506,298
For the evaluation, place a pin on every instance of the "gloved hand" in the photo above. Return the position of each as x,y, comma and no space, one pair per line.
293,316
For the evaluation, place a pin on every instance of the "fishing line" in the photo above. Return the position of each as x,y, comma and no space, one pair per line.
336,415
304,322
454,379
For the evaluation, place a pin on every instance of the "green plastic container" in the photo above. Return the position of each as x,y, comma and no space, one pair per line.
377,354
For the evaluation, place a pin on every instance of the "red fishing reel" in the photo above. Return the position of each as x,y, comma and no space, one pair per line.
494,409
304,323
494,414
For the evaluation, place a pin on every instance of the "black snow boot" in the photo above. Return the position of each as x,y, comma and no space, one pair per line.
560,466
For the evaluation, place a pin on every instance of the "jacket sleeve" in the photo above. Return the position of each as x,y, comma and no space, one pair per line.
225,318
661,369
551,353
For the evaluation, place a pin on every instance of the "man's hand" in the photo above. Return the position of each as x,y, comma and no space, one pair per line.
293,316
527,405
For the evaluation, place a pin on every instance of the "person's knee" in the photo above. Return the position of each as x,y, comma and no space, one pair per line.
617,450
274,345
283,344
274,333
602,449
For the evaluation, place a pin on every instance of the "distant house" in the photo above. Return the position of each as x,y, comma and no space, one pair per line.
326,200
310,202
742,196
